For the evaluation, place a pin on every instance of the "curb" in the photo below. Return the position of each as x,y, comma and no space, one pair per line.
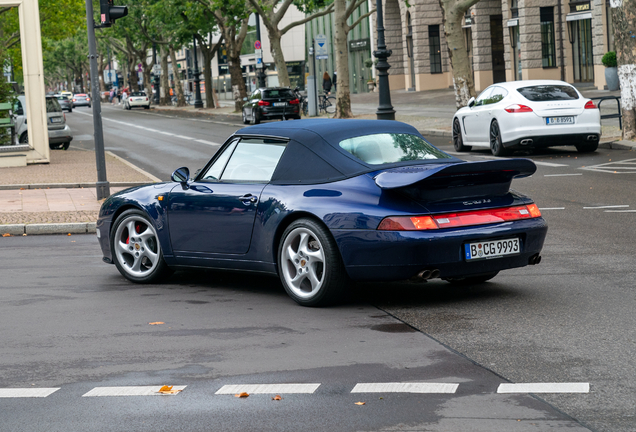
436,133
70,185
52,228
618,145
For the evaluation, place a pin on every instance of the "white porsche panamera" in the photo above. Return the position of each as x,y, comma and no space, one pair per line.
527,114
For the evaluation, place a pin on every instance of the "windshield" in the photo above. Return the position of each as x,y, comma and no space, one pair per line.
387,148
544,93
138,94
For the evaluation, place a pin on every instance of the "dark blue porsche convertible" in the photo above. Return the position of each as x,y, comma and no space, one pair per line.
322,203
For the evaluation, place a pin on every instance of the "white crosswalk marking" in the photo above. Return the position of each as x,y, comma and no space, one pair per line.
268,388
544,388
129,391
27,392
405,388
617,167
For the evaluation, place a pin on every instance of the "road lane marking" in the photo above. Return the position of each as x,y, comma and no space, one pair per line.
158,131
129,391
551,208
561,175
549,164
615,167
605,207
268,388
619,211
544,388
27,392
405,388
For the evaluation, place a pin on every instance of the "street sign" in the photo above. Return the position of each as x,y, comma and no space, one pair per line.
140,68
258,53
156,69
259,63
321,45
322,57
257,45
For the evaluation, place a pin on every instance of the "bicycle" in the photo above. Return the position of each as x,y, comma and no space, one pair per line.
326,104
303,101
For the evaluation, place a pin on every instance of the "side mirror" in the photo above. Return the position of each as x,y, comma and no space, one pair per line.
19,111
181,175
245,99
471,102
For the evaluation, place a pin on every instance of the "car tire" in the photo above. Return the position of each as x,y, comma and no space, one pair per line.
66,145
310,266
496,145
70,111
255,120
24,138
471,280
147,107
296,117
245,121
587,147
139,258
458,140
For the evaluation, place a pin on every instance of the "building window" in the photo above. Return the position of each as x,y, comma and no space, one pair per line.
548,47
435,49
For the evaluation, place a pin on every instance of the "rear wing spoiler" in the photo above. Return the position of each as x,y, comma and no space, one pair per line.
455,180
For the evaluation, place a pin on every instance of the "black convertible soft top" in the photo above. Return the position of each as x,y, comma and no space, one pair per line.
313,153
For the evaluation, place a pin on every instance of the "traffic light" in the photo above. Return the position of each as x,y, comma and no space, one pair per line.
109,13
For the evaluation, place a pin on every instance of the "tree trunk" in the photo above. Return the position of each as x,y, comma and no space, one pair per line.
177,82
453,12
623,17
100,71
165,82
239,91
279,58
207,77
343,96
134,78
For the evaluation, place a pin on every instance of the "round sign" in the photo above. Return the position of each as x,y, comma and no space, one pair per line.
257,44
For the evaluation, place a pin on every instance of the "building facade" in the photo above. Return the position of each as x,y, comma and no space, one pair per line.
505,40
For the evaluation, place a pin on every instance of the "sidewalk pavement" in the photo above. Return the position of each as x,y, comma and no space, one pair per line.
60,198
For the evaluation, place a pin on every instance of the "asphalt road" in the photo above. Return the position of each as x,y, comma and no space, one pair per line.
568,320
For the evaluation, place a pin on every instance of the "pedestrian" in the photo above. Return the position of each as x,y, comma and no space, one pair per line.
111,96
119,96
326,83
335,81
124,95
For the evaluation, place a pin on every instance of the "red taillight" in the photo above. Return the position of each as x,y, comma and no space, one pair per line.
590,105
74,100
263,103
294,102
88,99
146,99
460,219
518,108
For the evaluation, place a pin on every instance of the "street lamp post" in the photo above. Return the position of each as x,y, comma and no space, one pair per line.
385,109
198,103
260,74
157,94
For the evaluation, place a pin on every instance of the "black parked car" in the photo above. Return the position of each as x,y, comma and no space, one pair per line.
65,103
271,103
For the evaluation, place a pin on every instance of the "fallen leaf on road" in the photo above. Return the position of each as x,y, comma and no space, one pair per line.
360,403
168,390
156,323
277,397
242,395
6,235
69,234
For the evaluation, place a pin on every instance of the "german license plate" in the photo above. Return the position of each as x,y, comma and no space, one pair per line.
491,249
559,120
281,104
56,120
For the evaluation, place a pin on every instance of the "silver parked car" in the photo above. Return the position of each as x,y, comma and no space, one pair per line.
60,135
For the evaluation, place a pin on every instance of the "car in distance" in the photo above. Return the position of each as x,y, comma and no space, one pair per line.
65,103
527,114
81,99
137,99
60,135
271,103
321,203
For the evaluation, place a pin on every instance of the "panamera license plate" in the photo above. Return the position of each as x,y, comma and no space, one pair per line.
559,120
281,104
492,249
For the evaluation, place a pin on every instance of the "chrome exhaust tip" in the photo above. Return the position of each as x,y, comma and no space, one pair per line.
592,138
534,259
435,274
424,274
526,142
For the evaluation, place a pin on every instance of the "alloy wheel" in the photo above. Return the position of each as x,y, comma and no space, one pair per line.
303,263
136,246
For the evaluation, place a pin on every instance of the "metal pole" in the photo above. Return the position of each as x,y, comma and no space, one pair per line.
260,74
313,59
385,109
198,103
103,187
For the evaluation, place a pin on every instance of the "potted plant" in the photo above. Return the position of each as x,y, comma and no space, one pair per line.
371,84
611,71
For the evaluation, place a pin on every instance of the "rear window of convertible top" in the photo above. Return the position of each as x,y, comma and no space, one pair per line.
379,149
545,93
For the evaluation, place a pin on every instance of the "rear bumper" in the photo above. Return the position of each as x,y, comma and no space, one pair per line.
539,141
400,255
277,113
60,135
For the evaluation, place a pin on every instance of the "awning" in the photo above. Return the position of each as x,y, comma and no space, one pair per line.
512,23
578,16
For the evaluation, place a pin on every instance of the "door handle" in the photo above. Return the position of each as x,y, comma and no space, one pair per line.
248,199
